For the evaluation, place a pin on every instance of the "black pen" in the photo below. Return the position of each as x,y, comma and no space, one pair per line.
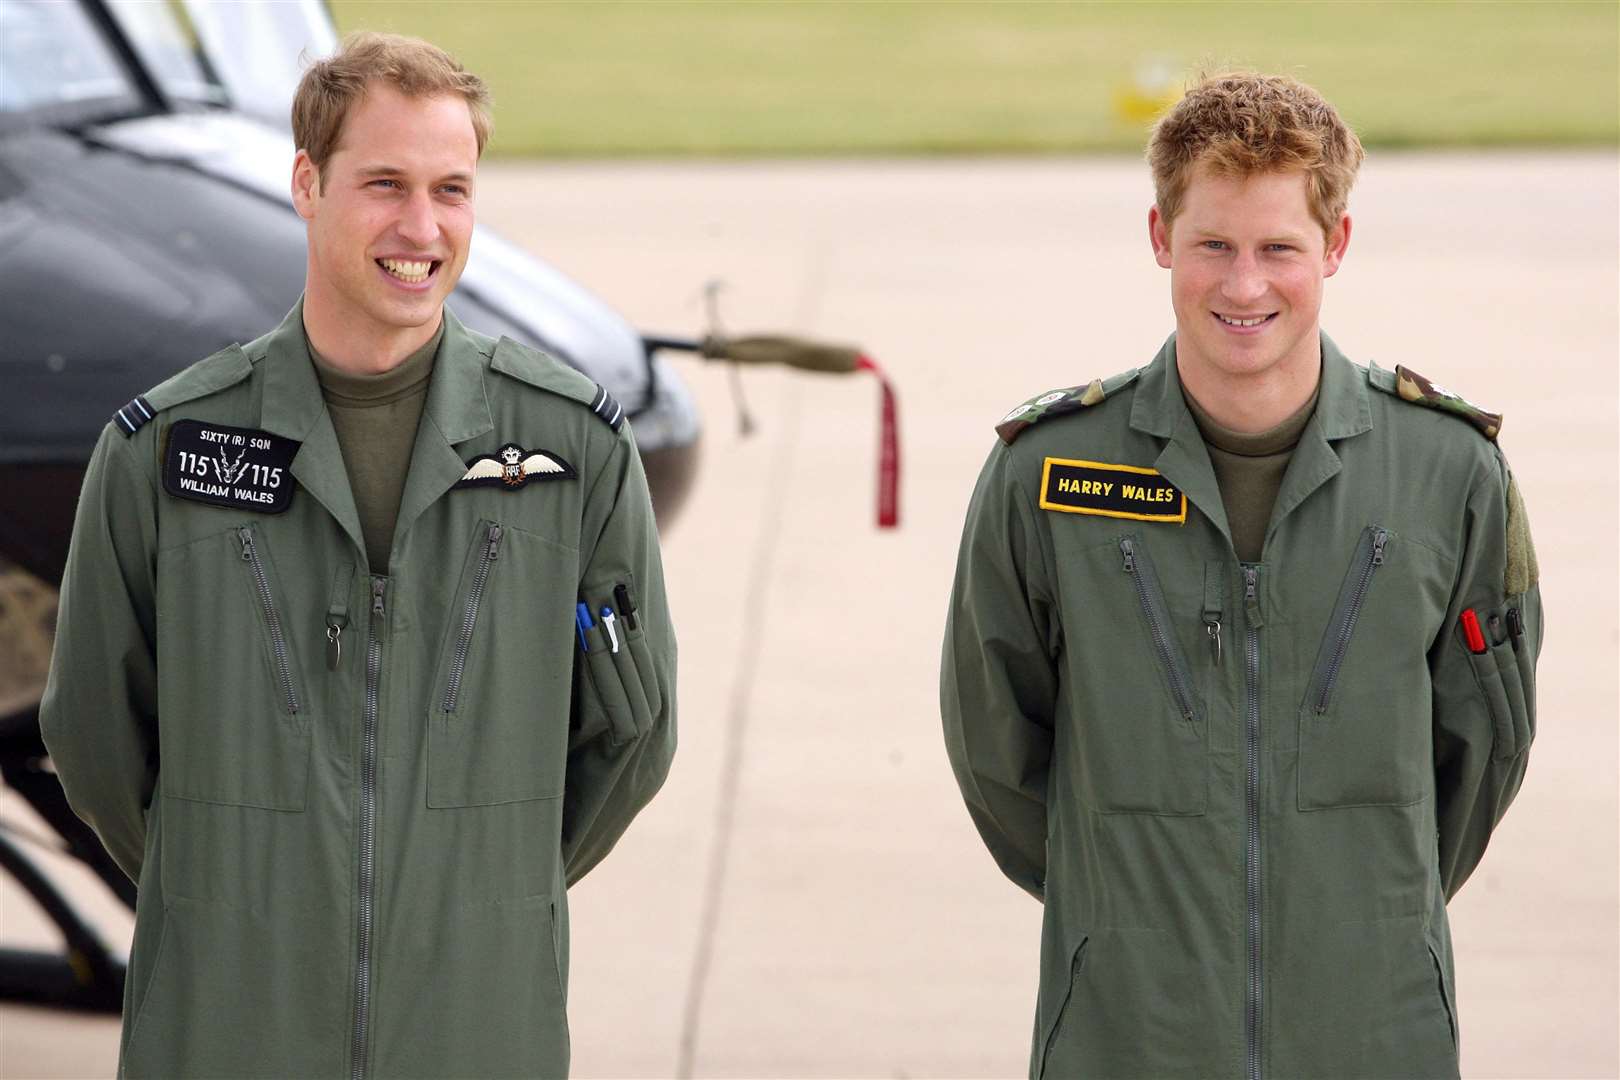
627,610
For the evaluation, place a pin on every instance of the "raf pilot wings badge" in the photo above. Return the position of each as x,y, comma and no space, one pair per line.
512,466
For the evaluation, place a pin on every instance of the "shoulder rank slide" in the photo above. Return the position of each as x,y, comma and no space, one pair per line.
134,416
1411,386
1048,405
607,408
1060,402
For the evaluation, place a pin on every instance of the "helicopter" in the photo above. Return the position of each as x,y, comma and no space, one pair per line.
145,210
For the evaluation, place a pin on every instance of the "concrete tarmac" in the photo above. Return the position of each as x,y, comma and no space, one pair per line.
807,897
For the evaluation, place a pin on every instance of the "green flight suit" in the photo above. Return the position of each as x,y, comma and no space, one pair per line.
353,803
1244,792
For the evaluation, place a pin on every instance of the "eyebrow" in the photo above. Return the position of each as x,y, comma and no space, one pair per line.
394,170
1280,238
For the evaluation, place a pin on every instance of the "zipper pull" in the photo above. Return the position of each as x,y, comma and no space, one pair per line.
1379,540
245,534
1130,556
1251,597
377,586
337,616
494,538
1215,577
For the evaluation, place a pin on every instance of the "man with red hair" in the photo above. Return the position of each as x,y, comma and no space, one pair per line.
1239,670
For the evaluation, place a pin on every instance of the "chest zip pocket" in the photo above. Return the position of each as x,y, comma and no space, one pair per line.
281,655
1362,742
1142,756
1369,557
1140,567
494,735
469,618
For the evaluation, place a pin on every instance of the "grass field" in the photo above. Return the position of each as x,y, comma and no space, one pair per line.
717,78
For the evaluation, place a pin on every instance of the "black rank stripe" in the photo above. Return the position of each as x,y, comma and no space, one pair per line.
1118,491
132,417
605,406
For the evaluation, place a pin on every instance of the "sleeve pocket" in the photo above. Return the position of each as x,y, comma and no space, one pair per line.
1507,665
1491,685
1525,664
620,670
645,674
610,691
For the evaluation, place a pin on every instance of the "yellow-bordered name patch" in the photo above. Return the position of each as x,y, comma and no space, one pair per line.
1120,491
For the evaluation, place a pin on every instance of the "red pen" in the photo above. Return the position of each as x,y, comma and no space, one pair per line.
1471,631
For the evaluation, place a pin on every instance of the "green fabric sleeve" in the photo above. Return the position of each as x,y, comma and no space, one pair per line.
622,735
998,678
99,713
1480,756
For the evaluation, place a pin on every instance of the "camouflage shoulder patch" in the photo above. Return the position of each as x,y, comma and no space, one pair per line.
1410,386
1058,403
1522,570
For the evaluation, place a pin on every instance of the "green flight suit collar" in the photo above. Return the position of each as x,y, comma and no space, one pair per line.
1159,408
292,392
456,410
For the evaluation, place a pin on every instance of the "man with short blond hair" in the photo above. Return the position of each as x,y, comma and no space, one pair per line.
363,653
1239,672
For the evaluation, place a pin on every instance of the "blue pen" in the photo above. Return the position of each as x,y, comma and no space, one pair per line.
582,623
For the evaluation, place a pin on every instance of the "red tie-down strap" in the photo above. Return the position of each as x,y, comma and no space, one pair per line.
888,489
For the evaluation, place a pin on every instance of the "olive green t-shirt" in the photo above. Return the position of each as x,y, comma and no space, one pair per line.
1249,469
375,417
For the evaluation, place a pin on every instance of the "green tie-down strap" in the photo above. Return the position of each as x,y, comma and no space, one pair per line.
801,353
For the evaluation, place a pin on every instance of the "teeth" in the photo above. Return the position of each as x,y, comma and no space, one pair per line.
413,272
1242,322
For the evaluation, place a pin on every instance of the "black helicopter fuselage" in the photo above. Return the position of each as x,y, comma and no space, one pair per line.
125,262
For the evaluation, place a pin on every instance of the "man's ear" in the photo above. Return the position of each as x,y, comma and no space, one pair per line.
1338,242
306,185
1159,236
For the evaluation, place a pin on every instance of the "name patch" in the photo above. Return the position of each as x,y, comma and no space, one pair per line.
240,468
1121,491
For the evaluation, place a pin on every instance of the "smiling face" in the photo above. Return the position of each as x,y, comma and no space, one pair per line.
389,225
1247,260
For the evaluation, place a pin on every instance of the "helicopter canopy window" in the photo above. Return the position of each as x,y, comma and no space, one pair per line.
258,48
163,39
53,56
